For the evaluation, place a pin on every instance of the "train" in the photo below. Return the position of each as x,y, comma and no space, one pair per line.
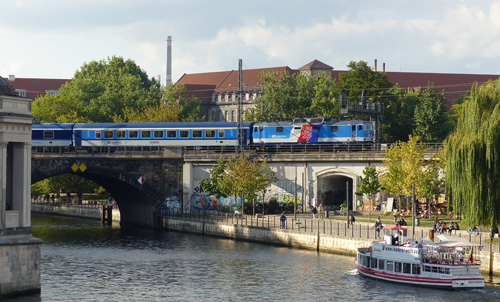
204,135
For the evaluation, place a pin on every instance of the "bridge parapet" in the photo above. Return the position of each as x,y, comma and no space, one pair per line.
107,152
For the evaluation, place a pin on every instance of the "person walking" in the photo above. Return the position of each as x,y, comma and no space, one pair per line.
283,220
314,211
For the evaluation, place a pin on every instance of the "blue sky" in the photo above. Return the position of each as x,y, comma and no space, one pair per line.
53,39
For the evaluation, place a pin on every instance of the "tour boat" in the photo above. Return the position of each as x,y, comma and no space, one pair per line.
451,263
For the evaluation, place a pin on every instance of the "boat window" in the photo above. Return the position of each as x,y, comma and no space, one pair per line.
374,263
397,267
48,134
221,133
133,134
406,268
108,134
171,133
415,269
427,268
98,134
158,133
446,270
146,134
197,133
183,133
366,261
434,269
334,128
120,133
390,266
279,129
381,264
209,133
441,270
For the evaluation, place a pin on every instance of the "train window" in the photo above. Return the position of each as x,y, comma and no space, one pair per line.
145,134
133,134
48,134
334,128
108,134
209,133
255,129
98,134
353,127
171,134
221,133
120,134
183,133
158,134
197,133
360,127
279,129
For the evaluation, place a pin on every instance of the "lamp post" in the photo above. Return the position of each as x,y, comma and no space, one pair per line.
347,200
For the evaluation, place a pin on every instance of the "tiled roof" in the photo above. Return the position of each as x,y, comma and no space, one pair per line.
36,87
6,89
316,65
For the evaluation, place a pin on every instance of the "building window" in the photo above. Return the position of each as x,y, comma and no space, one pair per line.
21,92
219,98
232,115
52,92
213,98
247,96
254,95
233,97
225,116
226,97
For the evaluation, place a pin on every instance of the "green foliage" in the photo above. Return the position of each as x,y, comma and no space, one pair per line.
406,166
472,153
67,183
431,121
369,183
98,92
213,184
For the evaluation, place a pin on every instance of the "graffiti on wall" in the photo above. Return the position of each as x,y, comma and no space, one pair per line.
172,204
202,202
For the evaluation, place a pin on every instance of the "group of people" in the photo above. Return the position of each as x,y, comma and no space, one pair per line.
317,210
441,226
401,222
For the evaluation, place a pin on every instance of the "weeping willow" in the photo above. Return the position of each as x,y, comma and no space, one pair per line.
472,162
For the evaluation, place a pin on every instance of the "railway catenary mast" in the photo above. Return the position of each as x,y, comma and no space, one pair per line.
169,60
241,134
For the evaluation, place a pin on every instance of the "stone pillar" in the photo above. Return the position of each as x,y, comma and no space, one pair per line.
187,185
3,184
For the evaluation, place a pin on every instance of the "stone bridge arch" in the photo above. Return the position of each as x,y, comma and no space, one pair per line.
333,184
119,176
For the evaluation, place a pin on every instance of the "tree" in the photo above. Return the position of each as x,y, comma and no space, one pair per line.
66,183
406,166
246,177
369,184
431,121
98,92
472,153
213,184
399,114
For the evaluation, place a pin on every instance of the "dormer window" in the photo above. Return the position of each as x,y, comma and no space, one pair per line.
226,97
21,92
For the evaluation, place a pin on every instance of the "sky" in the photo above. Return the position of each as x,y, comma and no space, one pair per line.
54,39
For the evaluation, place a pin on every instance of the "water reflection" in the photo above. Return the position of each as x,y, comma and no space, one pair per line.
85,261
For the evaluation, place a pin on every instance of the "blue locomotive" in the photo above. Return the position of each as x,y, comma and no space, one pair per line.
203,135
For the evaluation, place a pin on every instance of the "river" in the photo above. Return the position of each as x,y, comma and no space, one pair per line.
85,261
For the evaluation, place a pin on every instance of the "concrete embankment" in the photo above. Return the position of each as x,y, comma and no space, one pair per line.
290,238
319,242
73,211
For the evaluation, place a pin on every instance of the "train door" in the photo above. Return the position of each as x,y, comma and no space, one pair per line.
78,138
353,132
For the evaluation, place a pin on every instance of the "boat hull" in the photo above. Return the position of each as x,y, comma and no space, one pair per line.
447,283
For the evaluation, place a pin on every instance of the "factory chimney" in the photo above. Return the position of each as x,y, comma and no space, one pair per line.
169,60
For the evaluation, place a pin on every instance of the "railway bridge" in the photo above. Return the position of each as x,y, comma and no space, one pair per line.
143,180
